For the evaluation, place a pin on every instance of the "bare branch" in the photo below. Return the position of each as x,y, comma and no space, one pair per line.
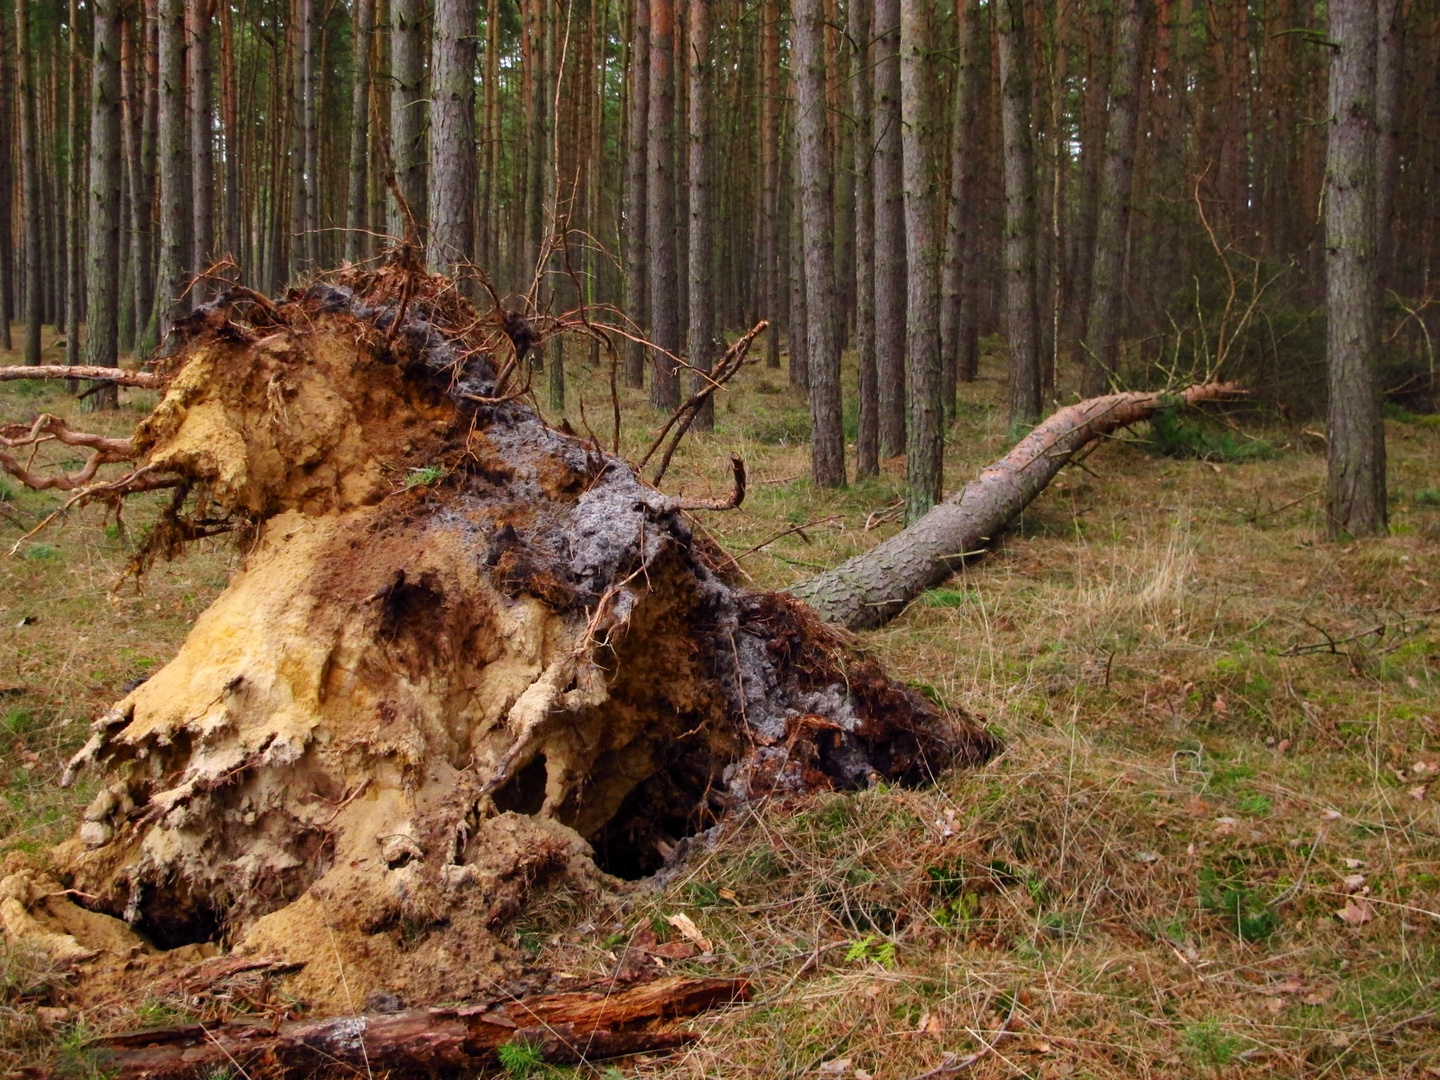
145,380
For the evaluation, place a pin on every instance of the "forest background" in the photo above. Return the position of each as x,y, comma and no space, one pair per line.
654,159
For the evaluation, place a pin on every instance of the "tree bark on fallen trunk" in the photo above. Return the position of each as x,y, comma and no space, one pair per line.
871,589
565,1028
145,380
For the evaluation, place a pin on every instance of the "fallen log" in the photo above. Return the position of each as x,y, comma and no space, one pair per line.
144,380
566,1028
872,588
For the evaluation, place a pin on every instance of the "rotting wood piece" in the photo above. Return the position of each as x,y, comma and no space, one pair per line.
872,588
571,1027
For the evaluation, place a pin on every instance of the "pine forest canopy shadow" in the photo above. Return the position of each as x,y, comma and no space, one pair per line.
469,656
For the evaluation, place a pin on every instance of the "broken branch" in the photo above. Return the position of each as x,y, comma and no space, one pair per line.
144,380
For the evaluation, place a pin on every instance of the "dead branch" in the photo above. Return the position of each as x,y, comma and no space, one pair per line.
723,372
793,529
566,1028
104,451
730,502
144,380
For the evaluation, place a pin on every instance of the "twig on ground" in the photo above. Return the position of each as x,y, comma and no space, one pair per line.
800,529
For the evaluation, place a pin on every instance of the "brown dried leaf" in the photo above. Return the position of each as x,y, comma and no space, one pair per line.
1356,912
688,930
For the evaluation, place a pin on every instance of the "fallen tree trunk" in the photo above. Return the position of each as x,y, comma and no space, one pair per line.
872,588
145,380
562,1028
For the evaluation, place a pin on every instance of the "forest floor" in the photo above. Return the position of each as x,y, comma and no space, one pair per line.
1210,848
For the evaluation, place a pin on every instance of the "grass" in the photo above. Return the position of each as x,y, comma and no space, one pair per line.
1202,738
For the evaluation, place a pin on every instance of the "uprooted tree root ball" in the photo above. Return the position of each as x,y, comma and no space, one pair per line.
468,657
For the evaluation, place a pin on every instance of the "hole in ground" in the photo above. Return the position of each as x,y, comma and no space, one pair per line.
655,816
168,920
524,792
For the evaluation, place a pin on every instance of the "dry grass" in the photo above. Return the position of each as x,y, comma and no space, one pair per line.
1147,881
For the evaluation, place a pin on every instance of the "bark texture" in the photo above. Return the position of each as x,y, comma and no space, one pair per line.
817,217
867,440
30,186
102,268
890,279
1022,317
772,281
660,228
1107,277
959,332
357,195
171,300
1355,493
202,143
925,435
452,136
76,195
701,346
408,118
871,589
637,202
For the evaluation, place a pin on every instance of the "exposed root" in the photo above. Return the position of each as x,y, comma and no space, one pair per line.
422,704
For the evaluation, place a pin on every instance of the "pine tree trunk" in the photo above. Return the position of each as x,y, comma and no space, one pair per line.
958,340
202,145
867,442
925,442
171,302
1022,320
357,195
664,291
452,139
1107,276
231,240
890,276
302,195
56,193
489,224
75,196
637,202
771,272
817,217
407,109
1355,495
1093,124
799,319
7,192
138,203
1389,68
147,317
702,239
102,270
30,184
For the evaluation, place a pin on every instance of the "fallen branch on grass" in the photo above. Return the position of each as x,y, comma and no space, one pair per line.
871,589
565,1028
47,428
144,380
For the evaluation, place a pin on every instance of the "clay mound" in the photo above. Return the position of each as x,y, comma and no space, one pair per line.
469,656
